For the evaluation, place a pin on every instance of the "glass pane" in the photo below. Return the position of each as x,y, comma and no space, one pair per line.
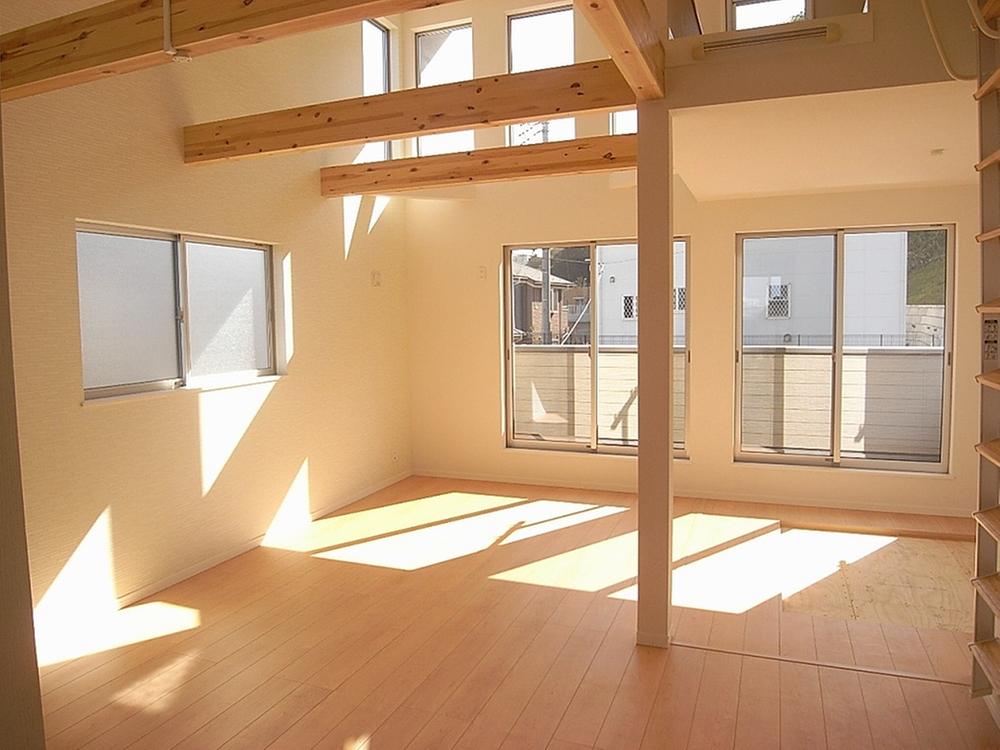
788,326
128,310
550,319
617,357
753,15
523,133
445,56
375,79
624,122
228,309
894,334
537,41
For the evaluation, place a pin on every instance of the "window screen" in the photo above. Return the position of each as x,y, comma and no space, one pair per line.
128,309
228,313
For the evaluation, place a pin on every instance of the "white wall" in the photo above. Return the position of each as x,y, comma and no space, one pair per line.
160,484
458,422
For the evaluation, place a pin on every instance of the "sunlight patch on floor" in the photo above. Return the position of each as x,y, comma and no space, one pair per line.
732,579
91,632
366,524
451,540
589,568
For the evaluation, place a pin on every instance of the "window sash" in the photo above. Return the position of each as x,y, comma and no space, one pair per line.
834,457
594,445
732,5
423,141
385,61
182,306
525,133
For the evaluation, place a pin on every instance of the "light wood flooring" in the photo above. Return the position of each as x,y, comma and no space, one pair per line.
440,614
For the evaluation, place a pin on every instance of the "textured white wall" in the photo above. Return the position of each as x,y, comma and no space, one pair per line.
188,476
459,429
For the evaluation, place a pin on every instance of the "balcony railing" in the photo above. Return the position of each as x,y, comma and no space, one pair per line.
891,400
552,394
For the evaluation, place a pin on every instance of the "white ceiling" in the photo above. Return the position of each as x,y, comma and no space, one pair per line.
830,142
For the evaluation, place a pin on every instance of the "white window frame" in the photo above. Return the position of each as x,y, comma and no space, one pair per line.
511,17
613,124
835,459
186,379
416,58
594,445
387,62
731,13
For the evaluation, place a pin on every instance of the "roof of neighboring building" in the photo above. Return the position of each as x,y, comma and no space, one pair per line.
521,270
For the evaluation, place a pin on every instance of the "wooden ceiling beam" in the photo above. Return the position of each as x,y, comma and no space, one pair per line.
630,37
580,156
482,102
122,36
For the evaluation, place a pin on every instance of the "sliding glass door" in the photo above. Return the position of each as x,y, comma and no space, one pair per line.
572,350
844,347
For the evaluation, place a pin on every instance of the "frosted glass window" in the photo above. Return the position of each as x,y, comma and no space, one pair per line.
444,56
128,310
537,41
228,309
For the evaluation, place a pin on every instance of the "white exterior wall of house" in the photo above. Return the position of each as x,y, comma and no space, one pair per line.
874,288
618,277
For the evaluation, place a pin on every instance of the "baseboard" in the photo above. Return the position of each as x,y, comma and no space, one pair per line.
192,570
656,640
361,494
199,567
507,479
846,504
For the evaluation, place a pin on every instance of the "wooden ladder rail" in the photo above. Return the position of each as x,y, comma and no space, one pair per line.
986,647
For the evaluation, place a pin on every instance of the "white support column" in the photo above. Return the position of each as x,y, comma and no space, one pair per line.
20,696
655,372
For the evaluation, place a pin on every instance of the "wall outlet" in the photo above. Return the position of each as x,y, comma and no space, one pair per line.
482,273
376,278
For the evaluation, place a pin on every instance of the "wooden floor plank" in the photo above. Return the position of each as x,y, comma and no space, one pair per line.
673,708
758,723
931,715
714,723
844,712
545,708
581,722
802,722
459,652
888,715
625,724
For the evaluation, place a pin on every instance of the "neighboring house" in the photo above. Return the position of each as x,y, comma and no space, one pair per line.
618,293
788,294
529,287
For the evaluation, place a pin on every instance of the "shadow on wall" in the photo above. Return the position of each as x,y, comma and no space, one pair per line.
251,440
